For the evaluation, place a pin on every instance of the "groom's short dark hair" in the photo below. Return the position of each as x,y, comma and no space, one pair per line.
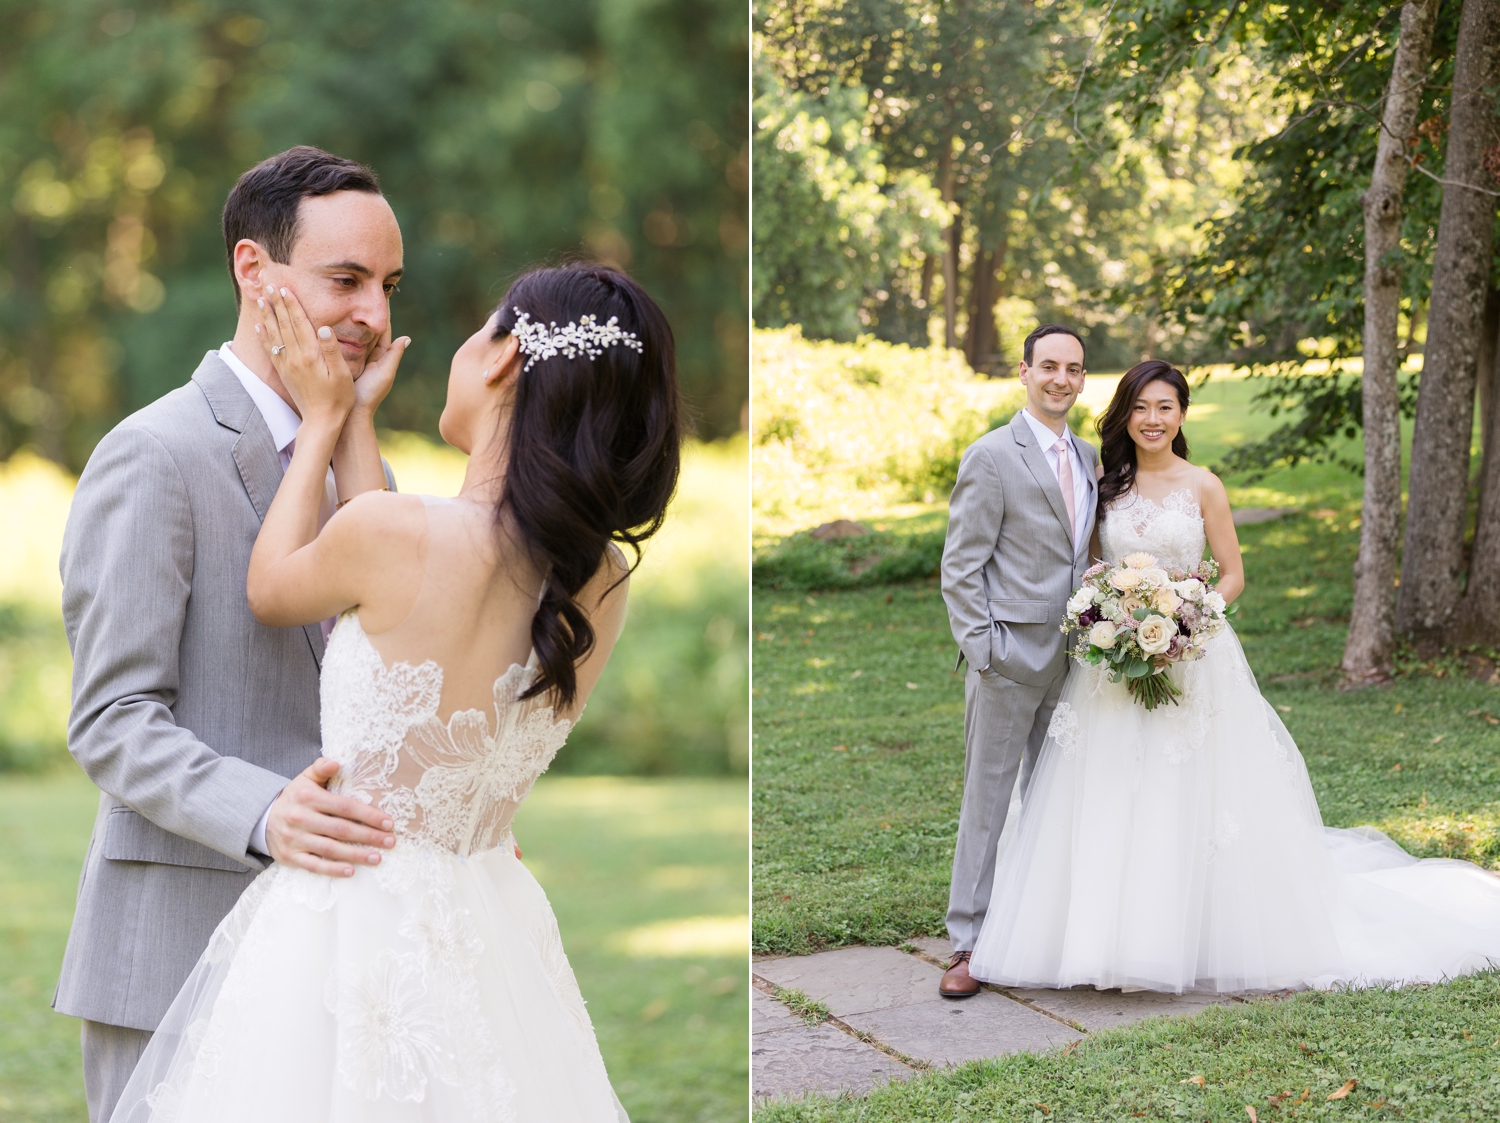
263,204
1051,329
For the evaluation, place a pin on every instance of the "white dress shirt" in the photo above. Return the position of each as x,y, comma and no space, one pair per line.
1047,439
283,421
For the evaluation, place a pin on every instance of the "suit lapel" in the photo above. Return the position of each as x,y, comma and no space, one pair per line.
1036,460
1093,490
254,453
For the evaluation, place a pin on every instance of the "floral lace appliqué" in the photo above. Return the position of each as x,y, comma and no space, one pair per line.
1171,530
1063,728
390,1036
1226,834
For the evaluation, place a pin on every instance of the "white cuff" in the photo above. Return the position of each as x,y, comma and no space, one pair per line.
258,835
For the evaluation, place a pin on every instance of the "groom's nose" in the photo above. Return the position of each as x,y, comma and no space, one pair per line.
372,310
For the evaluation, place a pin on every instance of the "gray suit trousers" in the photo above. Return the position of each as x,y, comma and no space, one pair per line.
1005,723
110,1054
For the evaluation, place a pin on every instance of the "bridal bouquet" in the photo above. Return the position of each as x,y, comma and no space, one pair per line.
1140,618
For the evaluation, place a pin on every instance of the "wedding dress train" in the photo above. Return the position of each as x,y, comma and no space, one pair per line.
433,987
1182,848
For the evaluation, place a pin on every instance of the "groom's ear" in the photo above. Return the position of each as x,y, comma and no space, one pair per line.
250,261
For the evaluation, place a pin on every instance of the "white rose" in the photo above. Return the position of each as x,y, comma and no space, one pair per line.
1214,602
1155,635
1188,590
1103,634
1156,578
1082,599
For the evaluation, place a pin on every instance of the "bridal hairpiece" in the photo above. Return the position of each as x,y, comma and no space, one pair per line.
583,336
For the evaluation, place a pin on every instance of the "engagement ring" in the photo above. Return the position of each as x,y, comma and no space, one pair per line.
278,349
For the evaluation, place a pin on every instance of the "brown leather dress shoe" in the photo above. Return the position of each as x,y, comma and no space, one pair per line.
957,982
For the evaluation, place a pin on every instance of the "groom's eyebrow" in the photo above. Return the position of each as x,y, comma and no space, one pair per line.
362,270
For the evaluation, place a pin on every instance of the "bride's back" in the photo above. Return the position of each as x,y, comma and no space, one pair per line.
464,602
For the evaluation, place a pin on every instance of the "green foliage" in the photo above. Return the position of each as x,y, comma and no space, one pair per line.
838,425
671,1026
902,550
502,138
839,239
810,1010
1420,1053
35,671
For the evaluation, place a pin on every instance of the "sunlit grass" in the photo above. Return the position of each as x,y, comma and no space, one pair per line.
670,1006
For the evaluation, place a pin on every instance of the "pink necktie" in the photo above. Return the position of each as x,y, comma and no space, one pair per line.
1065,477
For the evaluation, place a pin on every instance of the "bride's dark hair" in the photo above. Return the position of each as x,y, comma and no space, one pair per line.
1116,449
592,450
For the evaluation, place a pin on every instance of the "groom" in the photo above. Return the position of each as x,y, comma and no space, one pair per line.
1020,521
200,725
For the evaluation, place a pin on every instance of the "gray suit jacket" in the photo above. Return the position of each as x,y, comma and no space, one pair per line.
1010,562
188,714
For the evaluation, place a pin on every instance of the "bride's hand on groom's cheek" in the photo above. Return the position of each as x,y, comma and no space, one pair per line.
308,360
379,375
314,829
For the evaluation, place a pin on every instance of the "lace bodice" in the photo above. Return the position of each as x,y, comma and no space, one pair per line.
454,785
1172,530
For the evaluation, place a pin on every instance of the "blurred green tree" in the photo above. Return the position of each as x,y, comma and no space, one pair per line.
504,137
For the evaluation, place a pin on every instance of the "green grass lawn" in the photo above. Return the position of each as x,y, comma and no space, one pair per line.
858,751
646,876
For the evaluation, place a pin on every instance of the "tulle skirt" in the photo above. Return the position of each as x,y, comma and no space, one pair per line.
433,988
1182,849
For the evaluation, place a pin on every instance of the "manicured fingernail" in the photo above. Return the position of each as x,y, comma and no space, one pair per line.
257,329
374,859
386,824
389,843
348,871
325,333
262,303
283,292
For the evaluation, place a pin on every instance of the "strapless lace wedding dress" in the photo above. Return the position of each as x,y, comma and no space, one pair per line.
1182,848
430,988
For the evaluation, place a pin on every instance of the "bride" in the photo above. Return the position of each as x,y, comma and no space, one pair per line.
432,984
1182,848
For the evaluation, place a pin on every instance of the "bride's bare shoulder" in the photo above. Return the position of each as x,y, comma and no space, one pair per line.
380,522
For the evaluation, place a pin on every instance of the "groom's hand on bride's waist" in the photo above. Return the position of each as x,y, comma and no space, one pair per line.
312,828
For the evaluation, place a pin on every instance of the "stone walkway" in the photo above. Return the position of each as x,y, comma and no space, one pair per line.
887,1019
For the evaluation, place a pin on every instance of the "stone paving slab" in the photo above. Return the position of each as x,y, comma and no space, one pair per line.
1090,1008
947,1031
791,1062
1100,1009
855,980
767,1014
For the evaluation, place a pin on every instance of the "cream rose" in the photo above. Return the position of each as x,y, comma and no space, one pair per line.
1130,602
1103,634
1138,561
1155,634
1125,579
1166,601
1188,590
1156,578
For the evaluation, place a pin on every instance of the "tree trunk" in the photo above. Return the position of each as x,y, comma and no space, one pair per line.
45,419
1372,625
1432,555
954,236
929,266
1481,615
983,340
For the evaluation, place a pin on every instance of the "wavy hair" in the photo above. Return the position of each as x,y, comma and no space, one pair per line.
592,453
1116,449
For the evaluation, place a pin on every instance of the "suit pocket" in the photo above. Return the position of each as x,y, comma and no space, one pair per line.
129,837
1020,611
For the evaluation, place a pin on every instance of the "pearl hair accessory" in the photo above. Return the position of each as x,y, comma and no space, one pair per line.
584,336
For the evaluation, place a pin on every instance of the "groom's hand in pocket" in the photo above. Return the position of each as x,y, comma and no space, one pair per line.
314,829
